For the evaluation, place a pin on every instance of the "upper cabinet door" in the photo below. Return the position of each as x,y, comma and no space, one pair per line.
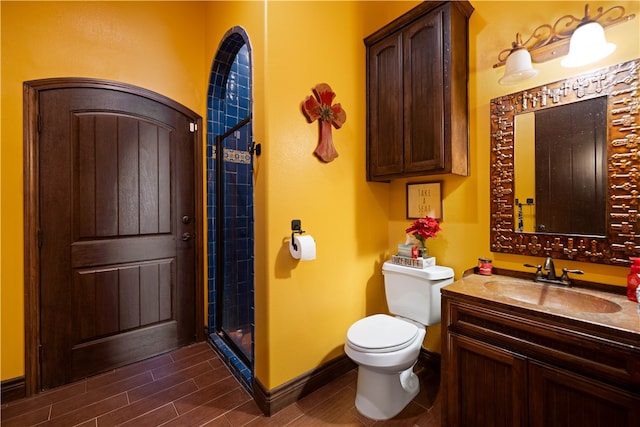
385,116
424,95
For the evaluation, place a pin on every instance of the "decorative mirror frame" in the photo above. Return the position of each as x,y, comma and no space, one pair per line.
621,86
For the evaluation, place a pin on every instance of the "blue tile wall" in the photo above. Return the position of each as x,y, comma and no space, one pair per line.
229,102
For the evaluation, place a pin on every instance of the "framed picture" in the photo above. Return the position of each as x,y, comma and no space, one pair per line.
424,199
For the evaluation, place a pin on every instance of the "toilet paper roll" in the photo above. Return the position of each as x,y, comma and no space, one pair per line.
305,248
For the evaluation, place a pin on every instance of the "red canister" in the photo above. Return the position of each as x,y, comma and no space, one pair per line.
484,266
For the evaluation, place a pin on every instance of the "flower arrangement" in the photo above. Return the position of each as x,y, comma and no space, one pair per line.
424,228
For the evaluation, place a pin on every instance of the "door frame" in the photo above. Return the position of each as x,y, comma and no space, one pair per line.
31,189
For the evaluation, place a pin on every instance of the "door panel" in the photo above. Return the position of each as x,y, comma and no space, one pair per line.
571,168
562,398
385,110
424,95
143,173
117,278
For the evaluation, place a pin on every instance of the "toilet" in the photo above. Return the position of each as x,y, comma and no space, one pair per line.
387,347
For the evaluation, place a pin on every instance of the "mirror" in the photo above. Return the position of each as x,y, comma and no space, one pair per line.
565,166
560,163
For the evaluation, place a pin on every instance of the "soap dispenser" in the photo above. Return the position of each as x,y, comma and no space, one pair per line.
633,279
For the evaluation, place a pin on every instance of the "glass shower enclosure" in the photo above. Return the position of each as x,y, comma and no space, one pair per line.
234,243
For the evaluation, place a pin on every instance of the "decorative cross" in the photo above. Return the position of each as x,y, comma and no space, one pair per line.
322,110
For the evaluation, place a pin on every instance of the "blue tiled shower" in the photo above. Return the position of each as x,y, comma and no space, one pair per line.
230,231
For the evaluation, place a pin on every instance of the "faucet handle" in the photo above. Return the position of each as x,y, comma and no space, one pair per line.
565,274
537,267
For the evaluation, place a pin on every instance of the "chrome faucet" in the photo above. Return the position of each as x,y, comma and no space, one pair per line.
551,276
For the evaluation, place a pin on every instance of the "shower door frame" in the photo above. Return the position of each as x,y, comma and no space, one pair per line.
220,243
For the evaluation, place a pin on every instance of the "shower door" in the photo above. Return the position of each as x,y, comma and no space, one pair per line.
234,239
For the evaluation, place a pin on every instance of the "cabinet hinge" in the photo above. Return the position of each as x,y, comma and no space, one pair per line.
193,127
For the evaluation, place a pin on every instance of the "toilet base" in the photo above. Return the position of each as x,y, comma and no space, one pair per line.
381,396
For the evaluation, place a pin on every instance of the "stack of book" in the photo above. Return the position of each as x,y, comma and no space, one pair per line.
405,257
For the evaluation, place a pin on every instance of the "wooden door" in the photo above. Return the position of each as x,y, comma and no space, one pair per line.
116,224
571,168
486,385
424,94
384,112
564,399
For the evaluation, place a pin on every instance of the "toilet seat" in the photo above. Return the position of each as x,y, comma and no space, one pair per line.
381,333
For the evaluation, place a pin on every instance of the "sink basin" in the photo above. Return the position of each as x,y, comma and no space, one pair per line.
553,297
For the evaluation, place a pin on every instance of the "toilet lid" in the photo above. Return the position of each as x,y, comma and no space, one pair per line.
381,333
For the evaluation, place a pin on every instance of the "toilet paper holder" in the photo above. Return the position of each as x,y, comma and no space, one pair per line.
296,228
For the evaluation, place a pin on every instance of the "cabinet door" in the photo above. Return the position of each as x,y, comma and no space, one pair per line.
424,115
486,385
562,399
385,107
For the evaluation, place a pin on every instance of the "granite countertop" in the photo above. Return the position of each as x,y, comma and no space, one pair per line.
620,316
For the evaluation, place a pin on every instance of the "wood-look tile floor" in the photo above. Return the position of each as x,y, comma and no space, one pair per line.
192,387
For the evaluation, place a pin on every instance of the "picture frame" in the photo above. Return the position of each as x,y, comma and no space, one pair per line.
424,198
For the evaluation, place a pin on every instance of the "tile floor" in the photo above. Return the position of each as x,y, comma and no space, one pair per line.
192,387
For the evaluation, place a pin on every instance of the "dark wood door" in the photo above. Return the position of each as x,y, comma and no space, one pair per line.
486,385
117,208
385,115
424,116
571,168
561,398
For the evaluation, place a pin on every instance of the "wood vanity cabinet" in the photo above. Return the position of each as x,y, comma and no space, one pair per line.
417,93
504,368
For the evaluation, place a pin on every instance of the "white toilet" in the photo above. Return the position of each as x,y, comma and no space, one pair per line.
386,347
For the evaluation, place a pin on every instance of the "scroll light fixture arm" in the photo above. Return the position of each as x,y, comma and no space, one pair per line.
549,42
296,228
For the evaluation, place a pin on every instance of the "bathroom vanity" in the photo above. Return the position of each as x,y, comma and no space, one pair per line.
519,353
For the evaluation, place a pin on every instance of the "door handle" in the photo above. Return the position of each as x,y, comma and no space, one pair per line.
186,237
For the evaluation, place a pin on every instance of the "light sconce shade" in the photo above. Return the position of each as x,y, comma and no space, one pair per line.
581,40
588,44
518,64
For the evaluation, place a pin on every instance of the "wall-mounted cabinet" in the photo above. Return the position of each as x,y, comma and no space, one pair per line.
417,120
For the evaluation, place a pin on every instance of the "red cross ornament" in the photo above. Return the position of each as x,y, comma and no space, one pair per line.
320,108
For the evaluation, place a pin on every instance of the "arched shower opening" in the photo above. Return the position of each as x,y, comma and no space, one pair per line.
230,220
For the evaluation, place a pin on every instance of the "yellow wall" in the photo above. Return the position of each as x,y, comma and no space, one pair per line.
525,182
466,209
493,27
302,308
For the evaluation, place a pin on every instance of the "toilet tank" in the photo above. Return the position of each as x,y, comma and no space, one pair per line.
414,293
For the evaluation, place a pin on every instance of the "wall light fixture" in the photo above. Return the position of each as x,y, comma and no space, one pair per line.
582,38
518,64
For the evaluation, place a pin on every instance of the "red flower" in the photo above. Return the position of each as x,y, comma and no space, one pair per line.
322,110
423,228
